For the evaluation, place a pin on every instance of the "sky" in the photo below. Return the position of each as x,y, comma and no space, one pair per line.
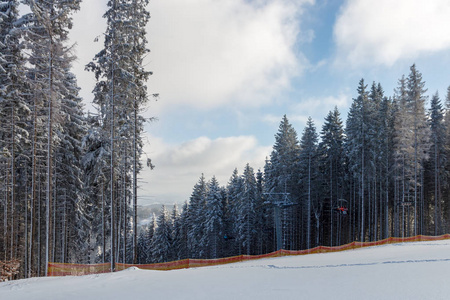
227,71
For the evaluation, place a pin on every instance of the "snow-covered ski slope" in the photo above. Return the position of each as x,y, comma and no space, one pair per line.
419,270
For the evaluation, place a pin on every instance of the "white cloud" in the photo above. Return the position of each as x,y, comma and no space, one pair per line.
382,32
88,25
208,53
178,167
313,107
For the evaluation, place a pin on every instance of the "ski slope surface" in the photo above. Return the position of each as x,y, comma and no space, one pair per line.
418,270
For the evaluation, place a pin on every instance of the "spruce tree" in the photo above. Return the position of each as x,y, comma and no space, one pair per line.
142,249
359,139
438,157
212,238
149,238
14,138
120,95
72,227
180,227
331,165
308,168
234,189
161,243
197,219
246,218
446,193
402,155
46,37
416,103
386,159
281,177
262,215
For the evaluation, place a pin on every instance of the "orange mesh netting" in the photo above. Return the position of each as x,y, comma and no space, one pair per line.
61,269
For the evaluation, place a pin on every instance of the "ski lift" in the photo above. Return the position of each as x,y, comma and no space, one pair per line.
227,237
341,207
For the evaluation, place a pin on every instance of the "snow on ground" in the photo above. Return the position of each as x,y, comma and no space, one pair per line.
419,270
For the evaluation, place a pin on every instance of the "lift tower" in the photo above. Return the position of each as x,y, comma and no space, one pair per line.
278,201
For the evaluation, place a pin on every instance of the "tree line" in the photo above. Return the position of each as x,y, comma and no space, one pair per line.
68,181
69,185
384,173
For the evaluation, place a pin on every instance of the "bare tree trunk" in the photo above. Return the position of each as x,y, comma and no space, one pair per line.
49,160
63,230
135,163
103,225
331,203
25,258
362,197
39,214
13,184
435,187
54,219
112,135
5,215
33,188
308,210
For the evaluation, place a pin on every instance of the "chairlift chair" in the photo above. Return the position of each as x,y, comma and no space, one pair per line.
341,207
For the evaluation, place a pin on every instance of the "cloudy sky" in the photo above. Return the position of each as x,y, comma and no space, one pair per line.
227,71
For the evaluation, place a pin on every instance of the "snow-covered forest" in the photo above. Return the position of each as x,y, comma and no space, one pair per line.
383,173
69,181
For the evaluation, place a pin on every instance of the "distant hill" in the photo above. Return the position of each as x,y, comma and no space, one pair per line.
145,213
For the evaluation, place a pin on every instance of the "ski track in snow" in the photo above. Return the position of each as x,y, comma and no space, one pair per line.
336,266
413,271
360,264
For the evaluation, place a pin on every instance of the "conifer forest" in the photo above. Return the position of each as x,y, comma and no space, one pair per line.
69,180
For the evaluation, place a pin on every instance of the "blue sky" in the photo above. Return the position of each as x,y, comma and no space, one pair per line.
227,71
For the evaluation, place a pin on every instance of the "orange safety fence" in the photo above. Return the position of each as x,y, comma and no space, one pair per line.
60,269
165,266
63,269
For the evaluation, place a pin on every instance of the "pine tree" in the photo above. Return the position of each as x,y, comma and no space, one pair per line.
307,167
46,37
161,243
281,177
149,238
438,157
180,228
260,215
284,155
14,138
331,165
246,215
95,167
214,219
71,225
376,95
359,139
411,147
121,92
197,219
231,234
416,98
402,155
386,158
446,187
142,247
139,19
